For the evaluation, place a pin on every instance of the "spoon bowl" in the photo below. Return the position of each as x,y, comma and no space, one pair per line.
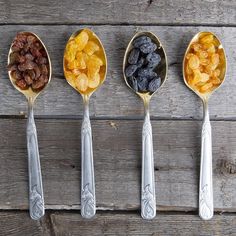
217,43
211,45
148,198
103,69
29,93
88,199
161,68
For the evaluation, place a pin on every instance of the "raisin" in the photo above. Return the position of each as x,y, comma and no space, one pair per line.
38,84
12,67
148,47
140,41
142,84
130,70
132,81
28,62
22,84
146,72
154,84
28,79
16,75
31,73
29,57
28,65
133,56
41,60
140,62
153,59
43,69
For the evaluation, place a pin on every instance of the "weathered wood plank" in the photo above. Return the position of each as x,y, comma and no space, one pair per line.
116,12
114,99
15,223
117,156
131,224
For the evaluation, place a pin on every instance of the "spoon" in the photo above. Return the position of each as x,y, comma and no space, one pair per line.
206,209
36,198
148,198
88,200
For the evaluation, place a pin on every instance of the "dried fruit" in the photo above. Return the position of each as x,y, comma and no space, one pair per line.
84,62
148,47
203,64
142,63
146,72
91,48
140,41
153,59
29,64
133,56
133,83
130,70
81,40
81,82
154,84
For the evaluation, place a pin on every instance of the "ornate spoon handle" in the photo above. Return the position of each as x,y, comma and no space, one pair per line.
88,201
148,198
206,210
36,200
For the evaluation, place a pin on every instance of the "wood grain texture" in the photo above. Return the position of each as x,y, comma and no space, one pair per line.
114,99
19,223
117,156
71,224
118,12
132,224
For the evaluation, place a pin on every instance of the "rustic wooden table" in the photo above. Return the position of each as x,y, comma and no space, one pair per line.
117,115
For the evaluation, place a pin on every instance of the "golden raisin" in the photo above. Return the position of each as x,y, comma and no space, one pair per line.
81,82
194,62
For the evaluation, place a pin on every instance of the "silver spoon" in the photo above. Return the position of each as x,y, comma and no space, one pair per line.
206,209
36,198
88,200
148,198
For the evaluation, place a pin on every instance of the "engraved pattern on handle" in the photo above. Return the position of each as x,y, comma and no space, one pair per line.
206,210
36,199
88,201
148,199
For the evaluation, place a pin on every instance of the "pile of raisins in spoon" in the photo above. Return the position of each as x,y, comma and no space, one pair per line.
141,65
29,64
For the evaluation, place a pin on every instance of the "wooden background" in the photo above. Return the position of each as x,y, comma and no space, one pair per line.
117,115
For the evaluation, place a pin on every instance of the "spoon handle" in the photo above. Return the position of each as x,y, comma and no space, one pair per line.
88,201
206,210
148,198
36,199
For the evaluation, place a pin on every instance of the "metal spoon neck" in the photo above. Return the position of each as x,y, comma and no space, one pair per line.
205,110
146,107
86,106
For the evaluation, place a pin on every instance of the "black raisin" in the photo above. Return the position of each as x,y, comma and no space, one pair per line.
133,56
129,71
132,81
148,47
140,41
153,59
146,72
140,62
142,84
154,84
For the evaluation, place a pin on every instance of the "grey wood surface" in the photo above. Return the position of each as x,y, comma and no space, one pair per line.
117,115
117,157
213,12
129,224
114,99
